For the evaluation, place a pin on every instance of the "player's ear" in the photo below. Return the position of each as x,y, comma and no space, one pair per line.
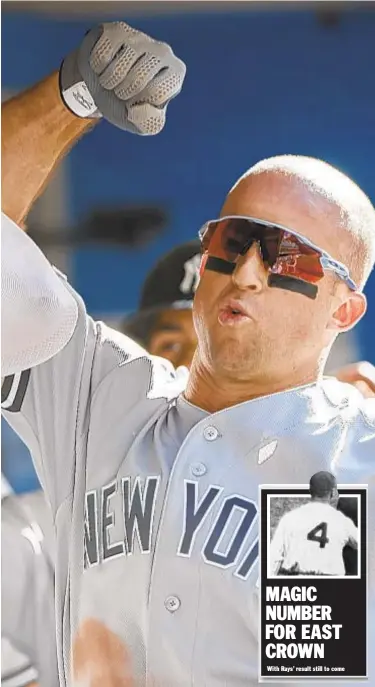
349,312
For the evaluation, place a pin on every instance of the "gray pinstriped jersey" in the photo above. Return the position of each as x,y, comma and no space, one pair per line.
16,668
155,505
27,592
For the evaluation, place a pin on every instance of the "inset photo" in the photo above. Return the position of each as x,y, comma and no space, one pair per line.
314,534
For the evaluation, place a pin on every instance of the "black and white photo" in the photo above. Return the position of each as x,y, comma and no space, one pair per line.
313,580
314,535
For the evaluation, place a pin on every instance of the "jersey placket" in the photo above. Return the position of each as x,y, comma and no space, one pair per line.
174,587
178,618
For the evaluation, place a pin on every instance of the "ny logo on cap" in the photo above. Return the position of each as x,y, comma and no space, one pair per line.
191,278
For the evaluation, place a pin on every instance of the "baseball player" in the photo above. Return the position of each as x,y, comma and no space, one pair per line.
154,489
28,649
309,540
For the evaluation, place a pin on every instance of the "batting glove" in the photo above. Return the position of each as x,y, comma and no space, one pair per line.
122,75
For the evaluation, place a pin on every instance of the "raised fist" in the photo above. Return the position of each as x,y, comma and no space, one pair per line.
123,75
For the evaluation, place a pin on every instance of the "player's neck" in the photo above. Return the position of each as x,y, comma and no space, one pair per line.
213,393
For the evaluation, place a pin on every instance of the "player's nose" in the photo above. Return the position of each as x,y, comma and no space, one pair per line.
250,272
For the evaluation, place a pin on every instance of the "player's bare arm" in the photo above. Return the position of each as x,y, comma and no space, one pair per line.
37,131
117,73
42,124
361,375
38,314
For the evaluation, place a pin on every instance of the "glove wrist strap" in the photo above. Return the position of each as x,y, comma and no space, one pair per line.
74,92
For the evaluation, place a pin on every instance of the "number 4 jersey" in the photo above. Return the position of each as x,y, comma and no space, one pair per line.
312,538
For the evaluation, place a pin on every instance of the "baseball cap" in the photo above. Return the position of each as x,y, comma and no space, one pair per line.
173,280
171,284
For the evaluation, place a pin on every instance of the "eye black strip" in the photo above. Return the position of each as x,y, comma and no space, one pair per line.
280,281
220,265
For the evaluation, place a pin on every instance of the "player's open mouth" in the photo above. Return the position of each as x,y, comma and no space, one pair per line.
232,314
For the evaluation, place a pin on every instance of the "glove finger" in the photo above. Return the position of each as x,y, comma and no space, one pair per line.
163,87
147,119
139,76
118,69
114,36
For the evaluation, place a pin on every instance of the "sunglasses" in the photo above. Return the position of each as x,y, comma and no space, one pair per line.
293,262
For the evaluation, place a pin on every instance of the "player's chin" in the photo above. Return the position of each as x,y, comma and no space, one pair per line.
233,358
239,341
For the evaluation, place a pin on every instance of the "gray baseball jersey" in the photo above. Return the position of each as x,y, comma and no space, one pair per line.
27,593
156,505
16,668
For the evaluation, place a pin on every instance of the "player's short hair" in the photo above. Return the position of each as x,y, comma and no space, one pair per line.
322,484
357,214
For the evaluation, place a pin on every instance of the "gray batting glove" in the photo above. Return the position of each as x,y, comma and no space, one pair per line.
123,75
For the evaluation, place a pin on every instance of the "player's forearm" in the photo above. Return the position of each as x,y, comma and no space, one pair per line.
37,131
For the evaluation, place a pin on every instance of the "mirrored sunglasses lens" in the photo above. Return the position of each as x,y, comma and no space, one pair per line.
227,239
282,252
306,267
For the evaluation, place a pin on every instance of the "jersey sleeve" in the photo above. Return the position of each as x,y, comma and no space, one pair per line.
50,405
38,314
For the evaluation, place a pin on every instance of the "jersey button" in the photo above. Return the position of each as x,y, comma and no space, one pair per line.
210,433
198,469
172,604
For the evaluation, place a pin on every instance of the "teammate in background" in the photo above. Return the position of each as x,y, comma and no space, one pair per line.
163,324
28,627
309,540
154,487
